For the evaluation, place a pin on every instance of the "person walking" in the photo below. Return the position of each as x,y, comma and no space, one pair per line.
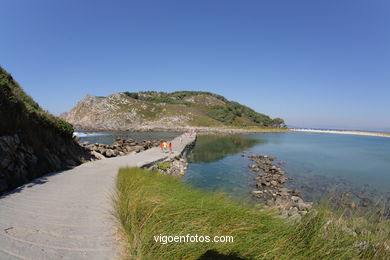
165,146
170,147
161,146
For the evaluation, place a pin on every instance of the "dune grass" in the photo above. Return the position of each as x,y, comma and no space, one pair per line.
148,204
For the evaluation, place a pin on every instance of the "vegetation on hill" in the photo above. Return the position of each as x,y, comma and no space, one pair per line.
149,205
11,90
32,141
225,111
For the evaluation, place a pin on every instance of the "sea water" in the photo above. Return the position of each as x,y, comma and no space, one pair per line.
317,163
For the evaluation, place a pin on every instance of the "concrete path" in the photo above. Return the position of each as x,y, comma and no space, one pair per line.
69,215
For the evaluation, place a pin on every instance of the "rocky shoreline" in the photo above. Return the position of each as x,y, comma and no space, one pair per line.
270,187
173,166
119,147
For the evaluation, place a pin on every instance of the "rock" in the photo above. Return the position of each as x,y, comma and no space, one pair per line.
296,199
97,155
282,180
109,153
255,192
138,148
70,163
352,205
274,183
303,206
4,162
292,211
303,213
296,192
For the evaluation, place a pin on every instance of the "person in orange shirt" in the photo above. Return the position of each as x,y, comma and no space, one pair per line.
170,147
161,146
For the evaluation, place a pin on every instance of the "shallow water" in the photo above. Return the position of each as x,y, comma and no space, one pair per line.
317,163
109,137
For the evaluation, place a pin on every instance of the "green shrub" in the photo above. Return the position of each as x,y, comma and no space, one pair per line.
32,108
163,165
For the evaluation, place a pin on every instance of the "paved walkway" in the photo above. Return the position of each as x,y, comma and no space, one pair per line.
69,215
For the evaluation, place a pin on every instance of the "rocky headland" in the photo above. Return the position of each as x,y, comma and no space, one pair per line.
177,111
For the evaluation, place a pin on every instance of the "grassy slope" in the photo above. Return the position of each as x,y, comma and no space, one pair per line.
11,91
207,109
46,142
148,204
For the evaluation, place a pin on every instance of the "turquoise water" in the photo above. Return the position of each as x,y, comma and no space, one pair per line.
317,163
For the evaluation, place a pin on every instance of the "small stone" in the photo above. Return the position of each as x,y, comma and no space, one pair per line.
292,211
255,192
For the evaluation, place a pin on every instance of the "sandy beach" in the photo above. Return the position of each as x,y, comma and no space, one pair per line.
346,132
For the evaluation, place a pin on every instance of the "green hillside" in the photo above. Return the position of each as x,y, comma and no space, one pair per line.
209,109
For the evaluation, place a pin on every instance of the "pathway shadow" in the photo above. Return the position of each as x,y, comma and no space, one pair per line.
38,181
213,254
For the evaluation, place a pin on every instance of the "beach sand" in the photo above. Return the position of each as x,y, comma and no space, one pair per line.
347,132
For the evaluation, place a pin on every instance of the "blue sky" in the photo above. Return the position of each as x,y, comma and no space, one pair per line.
313,63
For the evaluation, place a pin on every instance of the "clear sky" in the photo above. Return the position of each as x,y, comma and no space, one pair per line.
313,63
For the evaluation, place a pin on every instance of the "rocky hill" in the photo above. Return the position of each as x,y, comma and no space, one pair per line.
165,111
32,141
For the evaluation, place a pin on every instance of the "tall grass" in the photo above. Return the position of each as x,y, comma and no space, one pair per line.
148,204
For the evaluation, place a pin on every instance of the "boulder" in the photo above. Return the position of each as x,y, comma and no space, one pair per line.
109,153
97,155
303,206
296,199
138,148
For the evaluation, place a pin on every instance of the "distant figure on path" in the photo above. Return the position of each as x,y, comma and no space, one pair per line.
165,147
161,146
170,147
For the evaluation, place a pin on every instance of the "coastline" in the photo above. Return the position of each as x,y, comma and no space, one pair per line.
346,132
199,129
